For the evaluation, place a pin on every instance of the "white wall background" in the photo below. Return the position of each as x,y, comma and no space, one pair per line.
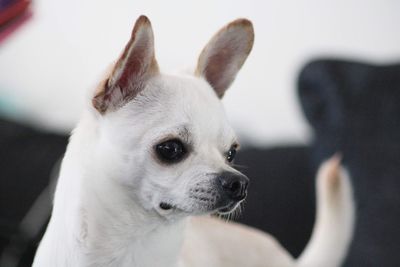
49,64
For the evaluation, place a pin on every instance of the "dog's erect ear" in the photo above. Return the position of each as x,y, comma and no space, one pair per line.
135,66
225,54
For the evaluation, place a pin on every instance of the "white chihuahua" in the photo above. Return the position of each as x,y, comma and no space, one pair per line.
152,152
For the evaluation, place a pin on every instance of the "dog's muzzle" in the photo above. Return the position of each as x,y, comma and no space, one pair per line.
223,195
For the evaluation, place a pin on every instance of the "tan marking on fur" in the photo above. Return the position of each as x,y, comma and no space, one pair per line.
333,172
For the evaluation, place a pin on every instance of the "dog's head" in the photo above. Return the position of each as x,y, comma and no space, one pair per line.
167,137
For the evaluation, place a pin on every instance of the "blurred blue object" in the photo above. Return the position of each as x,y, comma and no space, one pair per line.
8,107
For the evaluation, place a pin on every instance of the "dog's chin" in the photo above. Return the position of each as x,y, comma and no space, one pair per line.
228,209
168,210
219,209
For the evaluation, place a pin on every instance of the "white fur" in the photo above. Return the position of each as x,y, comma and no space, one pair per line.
335,218
107,201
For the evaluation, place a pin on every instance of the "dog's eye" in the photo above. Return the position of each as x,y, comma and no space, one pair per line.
171,151
230,156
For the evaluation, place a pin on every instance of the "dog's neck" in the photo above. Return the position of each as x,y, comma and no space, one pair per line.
94,223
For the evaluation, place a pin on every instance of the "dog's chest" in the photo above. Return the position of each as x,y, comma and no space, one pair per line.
155,249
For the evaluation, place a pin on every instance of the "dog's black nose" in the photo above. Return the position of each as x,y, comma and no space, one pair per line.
234,185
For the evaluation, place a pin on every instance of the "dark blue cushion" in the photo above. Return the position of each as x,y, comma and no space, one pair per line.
354,108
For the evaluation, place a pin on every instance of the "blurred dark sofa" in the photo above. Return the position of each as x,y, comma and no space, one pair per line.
353,108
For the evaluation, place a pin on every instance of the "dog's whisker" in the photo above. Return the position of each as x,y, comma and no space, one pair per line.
239,166
229,216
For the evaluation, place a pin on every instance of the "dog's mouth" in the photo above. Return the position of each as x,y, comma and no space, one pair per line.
166,208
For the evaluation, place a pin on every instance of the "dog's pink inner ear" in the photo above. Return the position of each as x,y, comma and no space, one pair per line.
224,55
136,65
